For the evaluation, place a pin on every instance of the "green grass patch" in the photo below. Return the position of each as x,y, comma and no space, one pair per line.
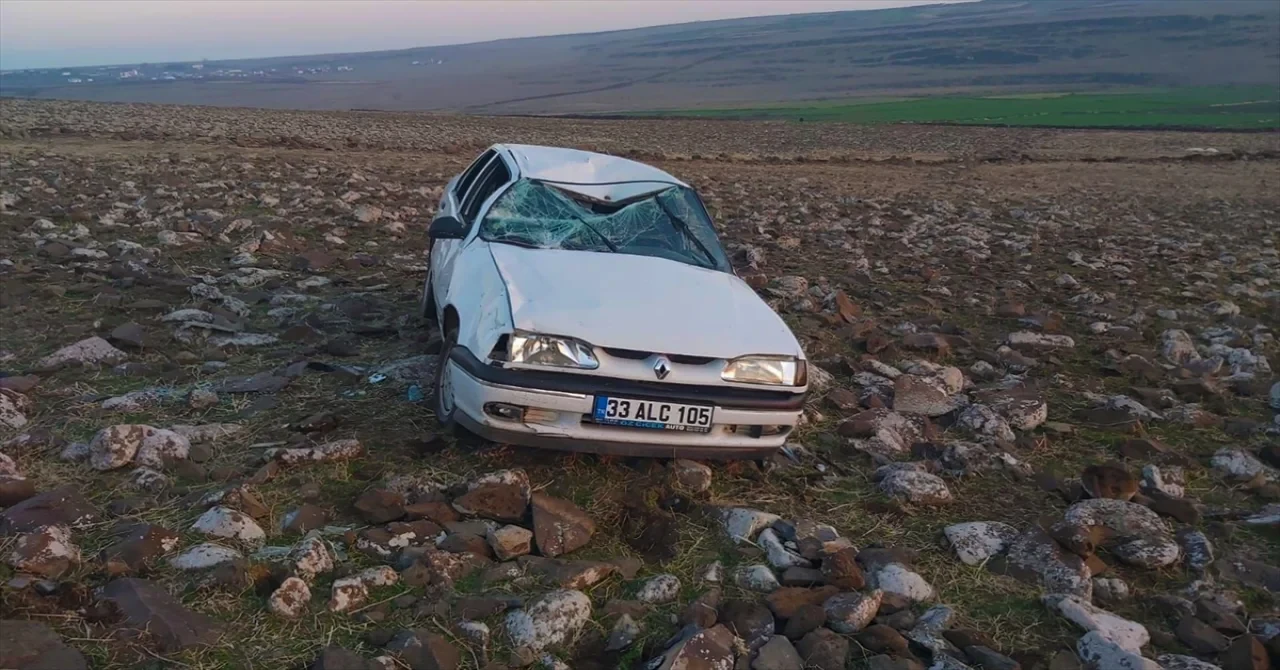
1234,108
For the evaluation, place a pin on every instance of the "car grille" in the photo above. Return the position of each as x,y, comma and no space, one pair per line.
635,355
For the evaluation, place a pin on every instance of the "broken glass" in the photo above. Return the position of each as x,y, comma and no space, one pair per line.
669,223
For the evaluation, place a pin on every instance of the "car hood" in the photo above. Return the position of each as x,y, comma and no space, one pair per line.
640,303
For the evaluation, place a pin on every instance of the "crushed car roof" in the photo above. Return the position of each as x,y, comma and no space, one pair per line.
599,176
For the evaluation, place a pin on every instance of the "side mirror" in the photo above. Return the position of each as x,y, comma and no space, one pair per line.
446,228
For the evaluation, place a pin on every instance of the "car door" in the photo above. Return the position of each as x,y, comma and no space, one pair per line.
494,175
451,205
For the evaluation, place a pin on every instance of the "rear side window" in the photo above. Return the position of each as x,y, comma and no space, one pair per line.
490,180
470,174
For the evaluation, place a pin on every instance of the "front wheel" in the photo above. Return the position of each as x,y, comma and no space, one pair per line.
443,401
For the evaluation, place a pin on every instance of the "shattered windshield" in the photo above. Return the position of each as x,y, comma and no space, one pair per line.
670,223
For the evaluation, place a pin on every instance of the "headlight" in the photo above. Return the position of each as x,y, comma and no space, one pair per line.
560,352
766,370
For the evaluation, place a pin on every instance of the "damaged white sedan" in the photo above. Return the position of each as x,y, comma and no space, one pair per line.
585,303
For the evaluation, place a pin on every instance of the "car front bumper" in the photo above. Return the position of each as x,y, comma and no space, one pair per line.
558,410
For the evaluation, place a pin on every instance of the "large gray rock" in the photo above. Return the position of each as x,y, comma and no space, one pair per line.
1100,653
977,541
1178,347
922,488
1180,662
204,556
777,654
14,408
1034,554
88,352
559,526
986,422
1241,466
503,496
743,523
554,619
659,589
898,579
1129,635
930,396
230,524
1141,537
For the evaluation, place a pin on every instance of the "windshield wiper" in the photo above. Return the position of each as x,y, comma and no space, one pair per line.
680,225
612,247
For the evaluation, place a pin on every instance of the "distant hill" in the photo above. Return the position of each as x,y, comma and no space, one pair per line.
992,46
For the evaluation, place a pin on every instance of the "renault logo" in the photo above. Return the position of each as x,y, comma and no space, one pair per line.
661,367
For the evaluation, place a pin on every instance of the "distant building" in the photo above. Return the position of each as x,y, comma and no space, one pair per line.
75,80
197,66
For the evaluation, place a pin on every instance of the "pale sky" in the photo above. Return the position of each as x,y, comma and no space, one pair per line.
57,33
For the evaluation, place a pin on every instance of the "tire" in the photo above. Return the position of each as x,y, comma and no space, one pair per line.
442,401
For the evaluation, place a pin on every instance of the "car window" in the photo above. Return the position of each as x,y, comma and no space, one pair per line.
469,175
490,180
668,223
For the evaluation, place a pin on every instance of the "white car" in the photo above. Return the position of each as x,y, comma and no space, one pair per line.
585,303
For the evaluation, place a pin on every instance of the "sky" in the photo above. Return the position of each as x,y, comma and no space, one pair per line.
60,33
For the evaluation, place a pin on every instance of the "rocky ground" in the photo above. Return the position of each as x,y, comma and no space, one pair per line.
1048,436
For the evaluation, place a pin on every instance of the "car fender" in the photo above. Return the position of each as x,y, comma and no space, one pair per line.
479,296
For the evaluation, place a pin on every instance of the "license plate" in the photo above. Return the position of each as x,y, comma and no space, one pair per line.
652,414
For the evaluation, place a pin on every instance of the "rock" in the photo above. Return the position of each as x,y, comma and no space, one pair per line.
60,507
204,556
1245,653
1240,466
13,409
984,421
841,569
1032,341
1275,396
929,628
1097,651
690,476
379,506
349,593
898,579
14,489
1109,481
146,606
305,518
554,619
920,395
509,542
659,589
742,523
990,659
31,645
1129,635
568,574
474,631
976,541
1169,480
1057,570
1178,662
785,602
338,450
777,654
502,496
710,649
1140,536
1200,636
918,487
201,399
881,639
751,621
290,599
1110,590
625,631
851,612
129,335
88,352
758,578
1178,347
1197,549
424,650
802,577
230,524
779,556
559,526
824,650
47,552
